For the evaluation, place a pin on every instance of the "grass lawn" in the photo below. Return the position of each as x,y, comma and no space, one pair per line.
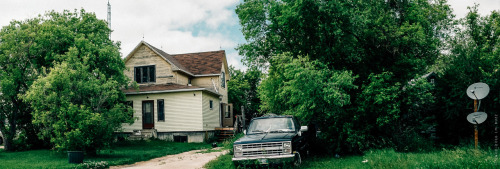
388,158
122,153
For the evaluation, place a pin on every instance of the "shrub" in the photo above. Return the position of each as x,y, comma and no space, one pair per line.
93,165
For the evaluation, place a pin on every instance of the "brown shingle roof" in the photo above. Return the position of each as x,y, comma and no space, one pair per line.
202,63
160,88
168,57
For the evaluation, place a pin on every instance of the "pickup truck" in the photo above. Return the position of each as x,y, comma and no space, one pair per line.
272,139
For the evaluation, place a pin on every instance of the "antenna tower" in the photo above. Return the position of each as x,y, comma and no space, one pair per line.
109,15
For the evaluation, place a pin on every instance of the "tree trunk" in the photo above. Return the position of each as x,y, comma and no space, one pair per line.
9,136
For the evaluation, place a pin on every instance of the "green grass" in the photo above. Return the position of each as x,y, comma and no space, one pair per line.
123,153
388,158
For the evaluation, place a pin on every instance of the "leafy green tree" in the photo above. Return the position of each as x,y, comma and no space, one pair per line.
30,49
79,108
242,90
300,87
79,102
383,44
402,37
19,68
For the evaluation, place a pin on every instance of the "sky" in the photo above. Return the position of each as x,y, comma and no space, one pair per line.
175,26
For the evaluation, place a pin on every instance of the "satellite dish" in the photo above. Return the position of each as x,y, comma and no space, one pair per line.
477,117
478,91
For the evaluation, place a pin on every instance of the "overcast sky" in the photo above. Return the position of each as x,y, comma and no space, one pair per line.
175,26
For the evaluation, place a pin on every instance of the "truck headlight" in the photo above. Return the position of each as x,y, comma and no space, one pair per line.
287,144
287,147
238,148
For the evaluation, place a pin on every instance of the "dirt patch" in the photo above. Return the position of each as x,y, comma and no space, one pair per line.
186,160
1,147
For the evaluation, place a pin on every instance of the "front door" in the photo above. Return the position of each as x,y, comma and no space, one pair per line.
148,114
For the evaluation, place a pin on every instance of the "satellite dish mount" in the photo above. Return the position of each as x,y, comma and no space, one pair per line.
477,91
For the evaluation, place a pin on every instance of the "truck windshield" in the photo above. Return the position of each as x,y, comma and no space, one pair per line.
271,125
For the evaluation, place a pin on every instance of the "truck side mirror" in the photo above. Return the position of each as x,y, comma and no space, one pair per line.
303,128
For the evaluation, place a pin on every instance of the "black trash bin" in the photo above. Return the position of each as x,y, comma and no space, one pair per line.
75,157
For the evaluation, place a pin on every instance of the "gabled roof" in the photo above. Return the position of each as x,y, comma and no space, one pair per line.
176,66
165,88
193,64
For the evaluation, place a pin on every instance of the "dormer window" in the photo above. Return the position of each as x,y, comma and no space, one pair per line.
144,74
223,80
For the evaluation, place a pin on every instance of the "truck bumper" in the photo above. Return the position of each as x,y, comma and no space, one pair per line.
278,159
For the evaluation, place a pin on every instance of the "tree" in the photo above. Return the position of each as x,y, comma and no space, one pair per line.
402,37
30,49
381,44
79,108
243,90
303,88
19,66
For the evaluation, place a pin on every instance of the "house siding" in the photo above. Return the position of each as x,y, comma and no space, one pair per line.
205,82
211,117
181,78
144,56
183,111
223,90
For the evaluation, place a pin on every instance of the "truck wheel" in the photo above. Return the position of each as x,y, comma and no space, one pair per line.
297,161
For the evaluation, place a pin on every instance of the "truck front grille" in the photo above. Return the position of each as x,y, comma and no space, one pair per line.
262,152
262,149
262,145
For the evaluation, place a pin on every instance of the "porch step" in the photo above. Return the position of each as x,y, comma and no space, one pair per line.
143,134
224,133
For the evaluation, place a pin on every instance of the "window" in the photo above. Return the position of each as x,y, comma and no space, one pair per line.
161,110
223,80
145,74
211,104
227,114
189,81
182,139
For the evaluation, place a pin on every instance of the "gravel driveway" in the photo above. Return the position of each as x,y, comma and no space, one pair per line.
186,160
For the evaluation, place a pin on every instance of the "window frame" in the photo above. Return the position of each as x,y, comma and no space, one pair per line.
160,109
145,77
223,80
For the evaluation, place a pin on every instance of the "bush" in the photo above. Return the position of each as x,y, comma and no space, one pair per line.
93,165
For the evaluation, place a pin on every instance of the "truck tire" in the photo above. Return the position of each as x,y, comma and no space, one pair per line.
298,160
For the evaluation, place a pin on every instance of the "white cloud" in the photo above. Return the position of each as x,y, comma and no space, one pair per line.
485,6
177,26
234,59
175,14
